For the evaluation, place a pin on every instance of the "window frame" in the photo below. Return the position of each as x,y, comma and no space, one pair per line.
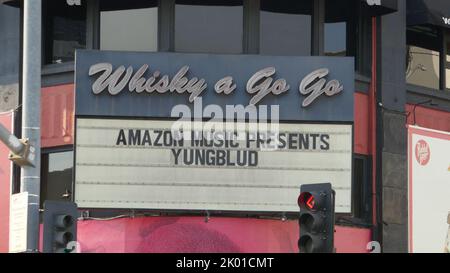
45,155
442,61
45,41
362,206
445,63
251,32
444,40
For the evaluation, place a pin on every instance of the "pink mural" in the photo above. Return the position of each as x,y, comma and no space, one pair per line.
6,120
194,235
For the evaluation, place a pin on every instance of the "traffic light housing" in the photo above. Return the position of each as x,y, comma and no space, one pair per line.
60,227
316,220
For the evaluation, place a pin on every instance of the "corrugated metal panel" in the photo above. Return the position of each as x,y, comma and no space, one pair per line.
57,116
5,186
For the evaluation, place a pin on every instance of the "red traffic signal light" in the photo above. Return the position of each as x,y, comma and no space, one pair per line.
306,201
313,200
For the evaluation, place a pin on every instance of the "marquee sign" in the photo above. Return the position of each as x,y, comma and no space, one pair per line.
142,164
128,84
134,151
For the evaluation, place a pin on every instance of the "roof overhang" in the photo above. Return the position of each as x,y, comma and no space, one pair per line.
14,3
428,12
380,7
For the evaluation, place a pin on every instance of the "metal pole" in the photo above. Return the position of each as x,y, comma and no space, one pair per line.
31,115
11,141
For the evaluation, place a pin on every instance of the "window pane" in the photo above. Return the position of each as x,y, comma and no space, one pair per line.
448,48
65,30
129,25
358,186
340,28
57,177
361,188
286,27
423,59
208,26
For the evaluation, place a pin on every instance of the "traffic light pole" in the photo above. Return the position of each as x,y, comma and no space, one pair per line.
31,115
11,141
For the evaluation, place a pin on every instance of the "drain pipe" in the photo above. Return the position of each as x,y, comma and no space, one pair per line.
373,130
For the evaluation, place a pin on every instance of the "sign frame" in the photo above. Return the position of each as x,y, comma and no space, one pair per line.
346,121
221,212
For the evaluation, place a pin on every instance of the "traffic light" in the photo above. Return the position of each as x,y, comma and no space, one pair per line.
316,221
60,227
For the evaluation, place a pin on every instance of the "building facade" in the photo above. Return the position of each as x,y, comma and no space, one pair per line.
401,73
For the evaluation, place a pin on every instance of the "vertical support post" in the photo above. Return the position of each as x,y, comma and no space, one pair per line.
31,115
373,127
318,28
166,17
93,25
251,26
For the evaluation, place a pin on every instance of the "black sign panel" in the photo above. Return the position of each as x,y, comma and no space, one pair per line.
150,85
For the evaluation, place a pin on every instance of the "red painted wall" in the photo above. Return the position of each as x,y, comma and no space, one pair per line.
57,115
194,235
361,128
429,118
5,186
